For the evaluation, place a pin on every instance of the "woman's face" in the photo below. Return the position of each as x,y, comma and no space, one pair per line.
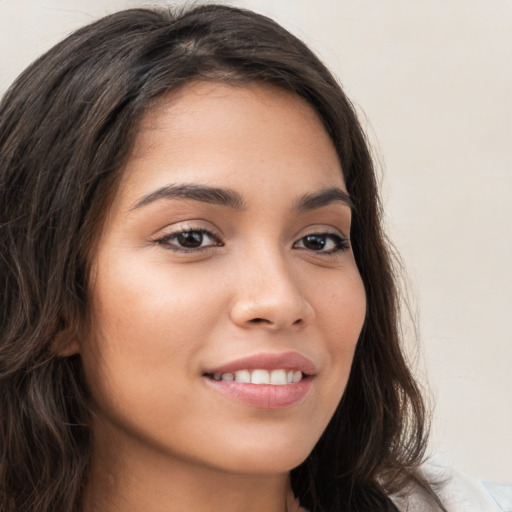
224,258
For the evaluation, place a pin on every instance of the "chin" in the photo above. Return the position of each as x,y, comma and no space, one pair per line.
268,460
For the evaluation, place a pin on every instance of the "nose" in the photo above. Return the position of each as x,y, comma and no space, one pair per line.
269,295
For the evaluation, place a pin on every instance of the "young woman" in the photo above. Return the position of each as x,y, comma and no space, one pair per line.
199,308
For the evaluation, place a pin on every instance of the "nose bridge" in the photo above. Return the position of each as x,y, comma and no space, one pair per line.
268,292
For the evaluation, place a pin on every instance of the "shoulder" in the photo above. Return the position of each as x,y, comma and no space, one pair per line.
459,492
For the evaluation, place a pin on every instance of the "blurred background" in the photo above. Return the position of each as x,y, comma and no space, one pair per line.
432,81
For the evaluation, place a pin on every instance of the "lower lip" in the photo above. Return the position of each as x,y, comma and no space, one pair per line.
264,396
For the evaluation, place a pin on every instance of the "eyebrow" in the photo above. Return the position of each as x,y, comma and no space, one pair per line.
323,198
232,199
202,193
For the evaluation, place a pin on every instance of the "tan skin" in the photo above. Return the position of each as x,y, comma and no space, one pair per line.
163,313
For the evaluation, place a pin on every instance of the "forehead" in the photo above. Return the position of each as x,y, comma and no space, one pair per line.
232,135
219,104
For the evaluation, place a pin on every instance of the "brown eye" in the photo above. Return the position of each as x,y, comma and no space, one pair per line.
315,242
324,243
189,240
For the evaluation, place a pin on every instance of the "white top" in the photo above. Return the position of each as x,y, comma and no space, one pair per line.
459,492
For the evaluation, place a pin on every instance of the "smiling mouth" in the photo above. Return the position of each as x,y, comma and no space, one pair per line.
264,381
277,377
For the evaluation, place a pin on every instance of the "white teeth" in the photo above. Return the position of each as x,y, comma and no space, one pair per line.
274,377
243,376
278,377
260,377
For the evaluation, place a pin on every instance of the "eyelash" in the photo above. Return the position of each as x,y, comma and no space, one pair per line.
341,244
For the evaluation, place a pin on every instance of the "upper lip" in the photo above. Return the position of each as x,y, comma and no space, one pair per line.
268,361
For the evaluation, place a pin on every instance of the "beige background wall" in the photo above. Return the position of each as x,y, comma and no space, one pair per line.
434,79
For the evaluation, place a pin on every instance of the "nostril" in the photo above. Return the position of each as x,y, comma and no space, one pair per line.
259,320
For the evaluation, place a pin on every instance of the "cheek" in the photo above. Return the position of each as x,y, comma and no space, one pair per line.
341,311
150,326
143,358
340,317
153,299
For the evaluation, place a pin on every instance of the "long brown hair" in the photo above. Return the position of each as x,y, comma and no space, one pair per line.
66,127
